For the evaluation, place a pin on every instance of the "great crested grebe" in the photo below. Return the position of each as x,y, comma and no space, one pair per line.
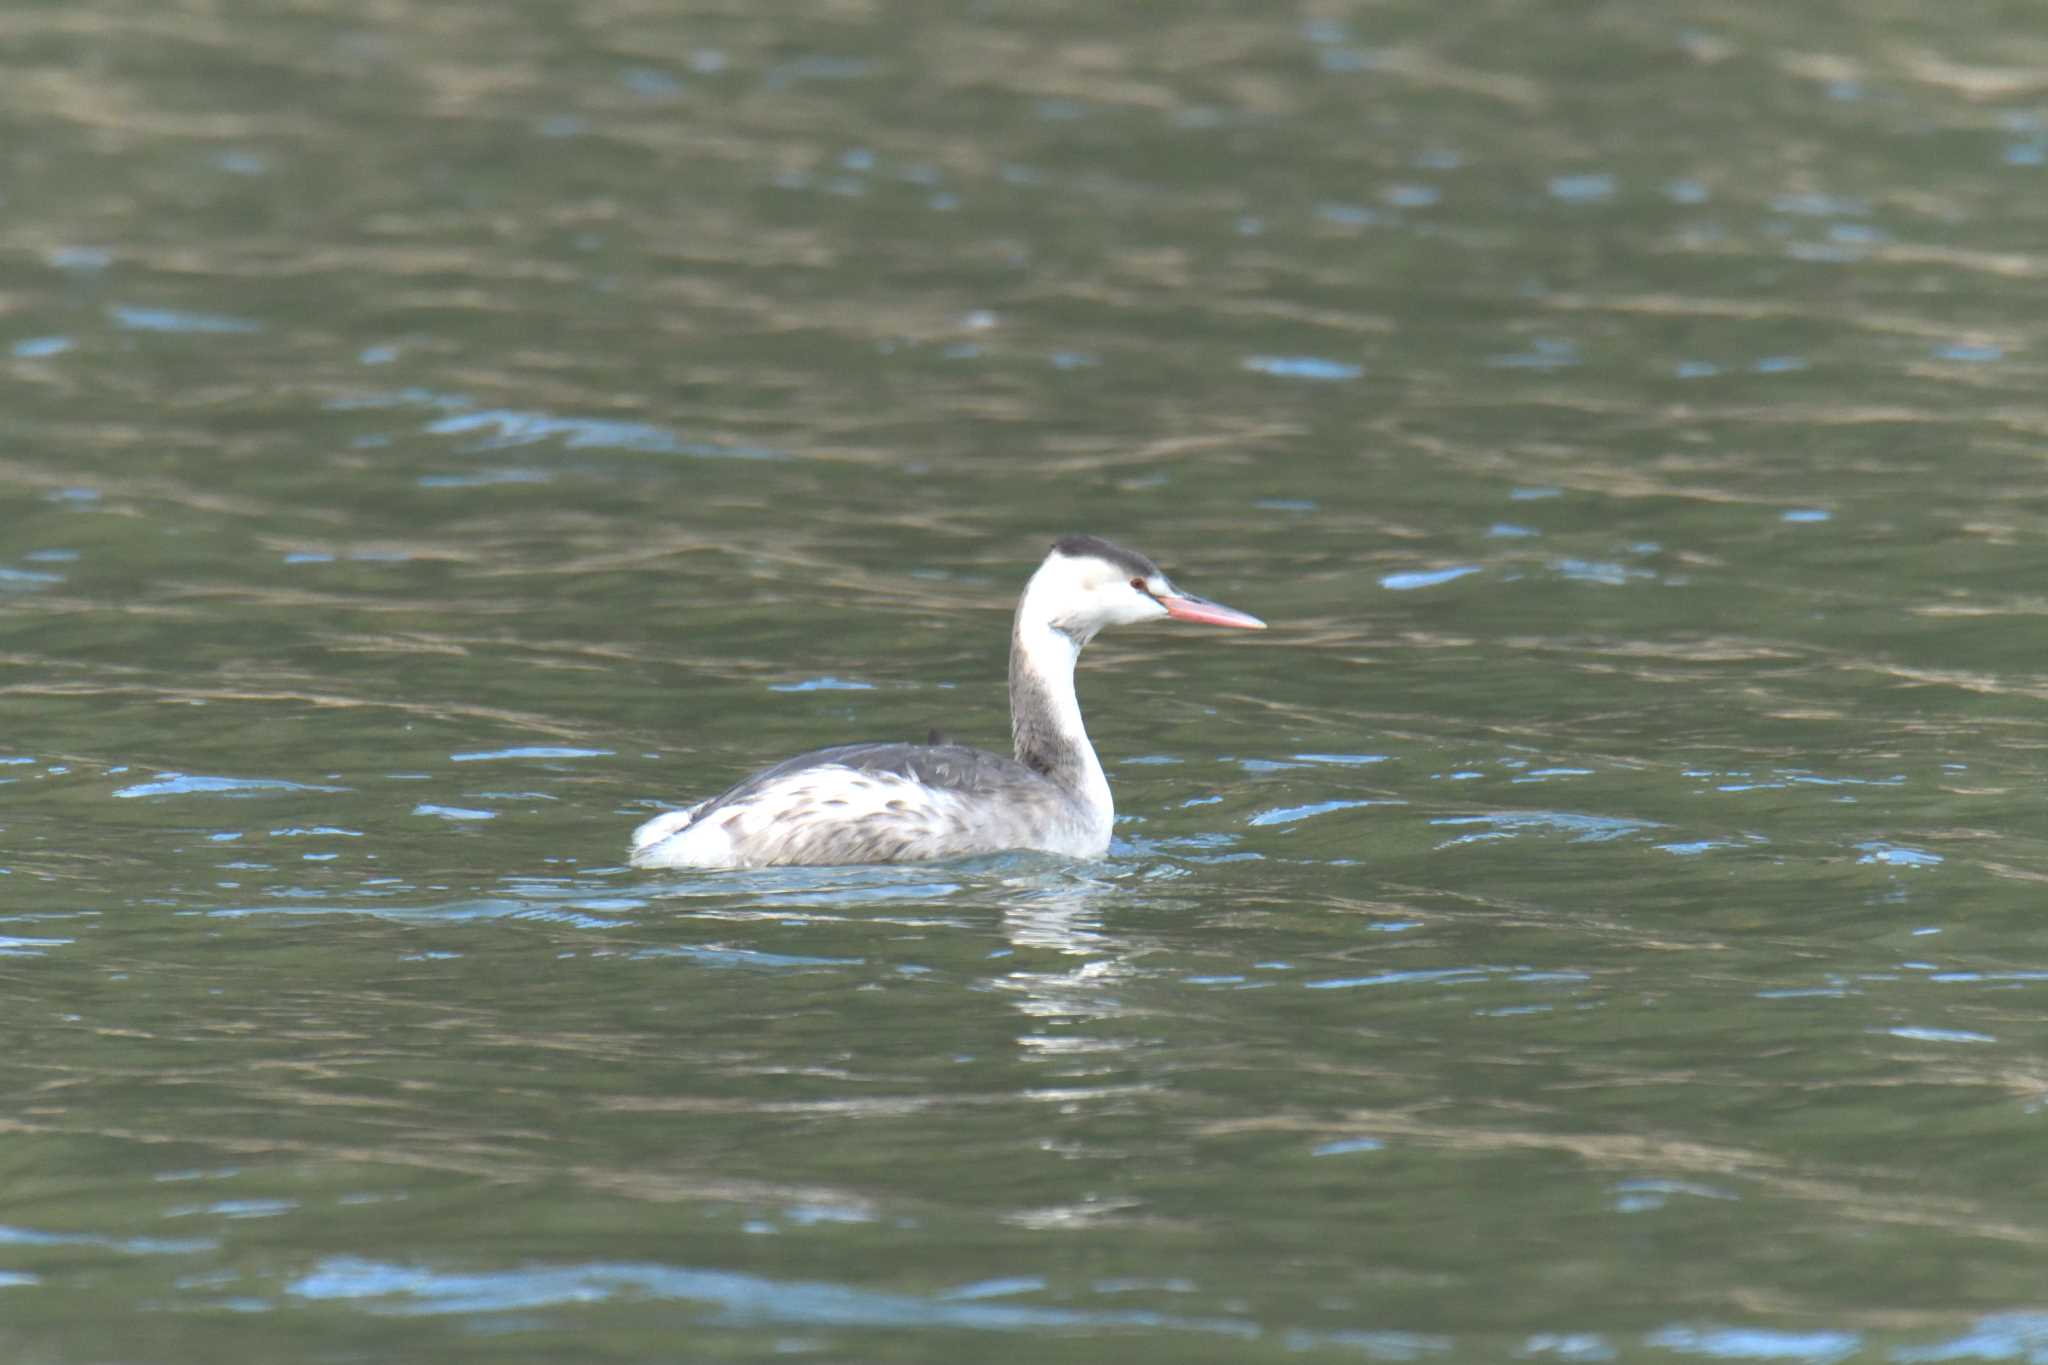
891,803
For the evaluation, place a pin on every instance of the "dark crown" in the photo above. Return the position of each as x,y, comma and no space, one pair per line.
1127,561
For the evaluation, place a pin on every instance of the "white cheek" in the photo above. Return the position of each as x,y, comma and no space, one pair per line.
1137,607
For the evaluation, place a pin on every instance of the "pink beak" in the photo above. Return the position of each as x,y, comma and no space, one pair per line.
1204,612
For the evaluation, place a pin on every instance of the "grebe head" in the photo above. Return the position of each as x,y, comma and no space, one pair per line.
1087,583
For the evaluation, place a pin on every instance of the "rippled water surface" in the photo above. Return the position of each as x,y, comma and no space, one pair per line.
1603,919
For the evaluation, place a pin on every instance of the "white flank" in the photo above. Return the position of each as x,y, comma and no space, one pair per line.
824,814
661,826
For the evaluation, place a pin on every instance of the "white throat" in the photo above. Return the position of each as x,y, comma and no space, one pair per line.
1045,715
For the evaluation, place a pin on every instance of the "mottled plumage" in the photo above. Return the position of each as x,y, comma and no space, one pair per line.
883,803
870,803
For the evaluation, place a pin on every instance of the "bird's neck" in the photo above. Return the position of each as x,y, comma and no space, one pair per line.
1045,715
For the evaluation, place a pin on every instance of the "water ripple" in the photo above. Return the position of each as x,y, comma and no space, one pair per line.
1583,829
741,1299
528,751
139,1246
1303,367
1758,1343
179,784
1287,815
172,320
505,427
1425,578
744,957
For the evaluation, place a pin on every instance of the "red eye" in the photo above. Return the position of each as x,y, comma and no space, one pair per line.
1138,583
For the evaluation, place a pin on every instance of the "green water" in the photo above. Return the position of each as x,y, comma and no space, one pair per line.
1601,920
